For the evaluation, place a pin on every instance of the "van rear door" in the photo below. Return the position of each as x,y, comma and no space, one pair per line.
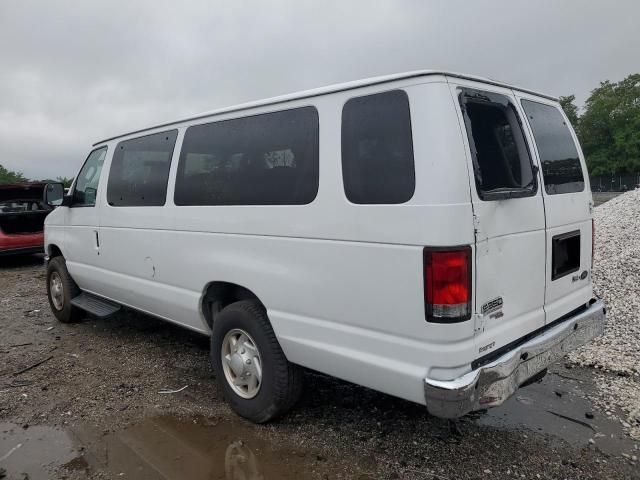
508,214
568,205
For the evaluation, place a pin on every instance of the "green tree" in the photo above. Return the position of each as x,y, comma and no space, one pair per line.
7,176
65,180
570,109
609,128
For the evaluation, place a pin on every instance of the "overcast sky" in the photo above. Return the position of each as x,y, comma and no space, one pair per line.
74,72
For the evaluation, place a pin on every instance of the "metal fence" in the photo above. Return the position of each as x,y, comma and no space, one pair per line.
615,183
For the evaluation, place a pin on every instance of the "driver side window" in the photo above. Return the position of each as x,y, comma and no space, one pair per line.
86,188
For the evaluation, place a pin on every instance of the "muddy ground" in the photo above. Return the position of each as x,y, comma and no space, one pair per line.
93,409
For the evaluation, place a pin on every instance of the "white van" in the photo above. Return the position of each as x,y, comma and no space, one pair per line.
427,235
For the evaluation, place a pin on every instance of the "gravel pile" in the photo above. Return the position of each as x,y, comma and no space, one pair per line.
616,277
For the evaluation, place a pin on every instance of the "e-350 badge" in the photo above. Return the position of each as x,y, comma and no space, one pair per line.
493,306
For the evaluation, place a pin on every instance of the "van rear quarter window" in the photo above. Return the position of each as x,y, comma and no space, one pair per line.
140,170
267,159
501,159
377,149
561,167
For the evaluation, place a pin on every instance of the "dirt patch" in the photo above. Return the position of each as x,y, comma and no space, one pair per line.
101,387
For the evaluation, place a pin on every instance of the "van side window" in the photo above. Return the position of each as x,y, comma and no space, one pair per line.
377,149
501,159
267,159
561,168
140,171
86,186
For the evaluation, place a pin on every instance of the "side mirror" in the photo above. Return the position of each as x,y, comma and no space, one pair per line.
54,195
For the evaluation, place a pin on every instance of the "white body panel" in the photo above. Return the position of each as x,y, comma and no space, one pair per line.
342,283
80,244
566,213
510,253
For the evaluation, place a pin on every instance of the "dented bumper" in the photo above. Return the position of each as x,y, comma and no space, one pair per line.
491,384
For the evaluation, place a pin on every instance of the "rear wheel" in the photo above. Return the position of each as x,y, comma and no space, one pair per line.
61,289
258,381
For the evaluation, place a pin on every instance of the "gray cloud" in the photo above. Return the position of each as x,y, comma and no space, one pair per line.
73,72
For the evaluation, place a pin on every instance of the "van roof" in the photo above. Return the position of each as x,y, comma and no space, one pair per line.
339,87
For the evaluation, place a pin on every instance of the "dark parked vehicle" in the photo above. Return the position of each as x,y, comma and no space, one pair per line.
22,214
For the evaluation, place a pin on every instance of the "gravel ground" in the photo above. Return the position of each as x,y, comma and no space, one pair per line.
616,277
106,375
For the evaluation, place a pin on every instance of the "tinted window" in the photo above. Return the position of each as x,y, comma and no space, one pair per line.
140,170
501,160
86,185
558,153
377,149
269,159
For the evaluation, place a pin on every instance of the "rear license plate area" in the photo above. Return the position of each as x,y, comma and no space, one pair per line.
565,253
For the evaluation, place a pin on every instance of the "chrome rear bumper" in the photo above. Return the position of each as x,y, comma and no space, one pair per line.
491,384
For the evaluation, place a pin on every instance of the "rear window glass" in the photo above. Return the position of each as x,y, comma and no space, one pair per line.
377,149
501,159
268,159
140,171
561,167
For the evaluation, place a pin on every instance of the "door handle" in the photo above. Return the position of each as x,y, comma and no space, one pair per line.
97,239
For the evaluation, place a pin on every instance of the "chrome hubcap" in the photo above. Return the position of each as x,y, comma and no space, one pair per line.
241,363
57,292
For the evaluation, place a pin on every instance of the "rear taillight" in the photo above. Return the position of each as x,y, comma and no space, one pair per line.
447,284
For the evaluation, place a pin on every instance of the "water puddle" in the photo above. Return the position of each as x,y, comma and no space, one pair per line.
559,406
161,447
169,447
34,451
196,448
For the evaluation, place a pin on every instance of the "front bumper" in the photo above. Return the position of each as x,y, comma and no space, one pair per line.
491,384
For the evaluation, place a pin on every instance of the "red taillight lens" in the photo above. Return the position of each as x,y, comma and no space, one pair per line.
447,284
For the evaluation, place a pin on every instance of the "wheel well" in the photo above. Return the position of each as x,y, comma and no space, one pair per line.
218,295
54,251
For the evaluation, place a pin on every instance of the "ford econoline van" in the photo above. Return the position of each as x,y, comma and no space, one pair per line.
428,235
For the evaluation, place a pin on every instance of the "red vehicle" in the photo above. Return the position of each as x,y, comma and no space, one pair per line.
22,214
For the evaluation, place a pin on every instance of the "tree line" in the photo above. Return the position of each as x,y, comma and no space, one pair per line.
609,126
8,176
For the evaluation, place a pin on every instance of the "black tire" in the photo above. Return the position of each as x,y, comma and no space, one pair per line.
281,383
68,313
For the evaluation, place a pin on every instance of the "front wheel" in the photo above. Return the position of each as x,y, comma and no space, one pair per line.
61,289
258,381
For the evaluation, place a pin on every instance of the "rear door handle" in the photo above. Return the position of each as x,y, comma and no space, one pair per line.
97,238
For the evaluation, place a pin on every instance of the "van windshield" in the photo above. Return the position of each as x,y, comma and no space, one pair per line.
501,159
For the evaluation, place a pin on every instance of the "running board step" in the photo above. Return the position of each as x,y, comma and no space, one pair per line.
97,306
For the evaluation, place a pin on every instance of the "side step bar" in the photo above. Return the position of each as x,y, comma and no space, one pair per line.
97,306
